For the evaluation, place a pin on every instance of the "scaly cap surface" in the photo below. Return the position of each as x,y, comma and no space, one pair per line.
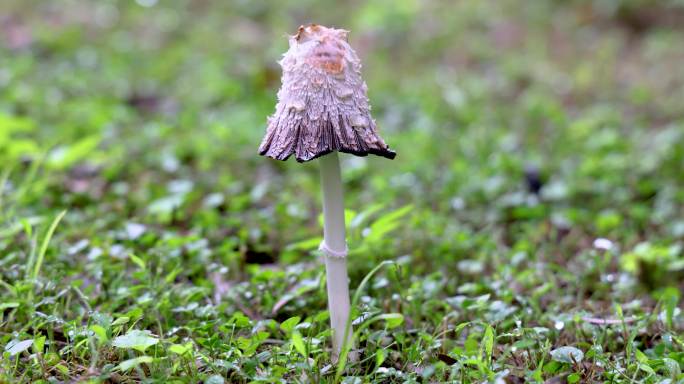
322,103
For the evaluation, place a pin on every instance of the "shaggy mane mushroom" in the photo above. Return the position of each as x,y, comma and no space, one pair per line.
323,109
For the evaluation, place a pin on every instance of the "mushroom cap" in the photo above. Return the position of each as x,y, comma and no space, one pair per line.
322,103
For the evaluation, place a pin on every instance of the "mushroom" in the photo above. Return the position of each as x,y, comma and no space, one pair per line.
323,109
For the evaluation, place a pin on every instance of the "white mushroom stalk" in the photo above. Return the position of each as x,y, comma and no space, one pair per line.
323,109
334,247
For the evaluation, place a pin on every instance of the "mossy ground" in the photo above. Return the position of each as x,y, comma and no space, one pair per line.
534,213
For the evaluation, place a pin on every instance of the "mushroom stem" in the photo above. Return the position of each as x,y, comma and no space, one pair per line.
334,246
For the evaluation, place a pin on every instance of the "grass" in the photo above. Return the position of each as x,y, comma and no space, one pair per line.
533,218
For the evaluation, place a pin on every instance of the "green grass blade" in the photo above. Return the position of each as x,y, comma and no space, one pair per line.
342,362
45,243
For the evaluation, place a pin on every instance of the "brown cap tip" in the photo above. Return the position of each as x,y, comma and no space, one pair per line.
322,103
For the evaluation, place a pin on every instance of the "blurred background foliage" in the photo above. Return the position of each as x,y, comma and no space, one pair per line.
586,93
525,131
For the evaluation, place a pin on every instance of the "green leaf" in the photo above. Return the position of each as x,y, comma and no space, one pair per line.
240,320
100,332
392,320
552,367
380,356
180,349
9,305
121,320
12,143
135,313
488,342
305,245
39,344
62,368
298,343
460,327
64,156
387,223
574,378
525,343
670,299
672,367
646,368
172,275
250,345
322,316
138,261
472,345
135,339
640,356
288,325
476,362
243,342
132,363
